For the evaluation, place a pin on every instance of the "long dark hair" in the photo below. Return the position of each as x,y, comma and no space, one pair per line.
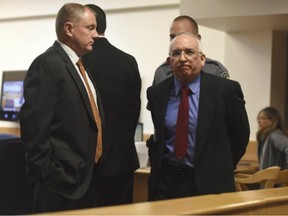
274,116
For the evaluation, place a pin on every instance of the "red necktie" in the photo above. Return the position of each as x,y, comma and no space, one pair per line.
181,139
94,110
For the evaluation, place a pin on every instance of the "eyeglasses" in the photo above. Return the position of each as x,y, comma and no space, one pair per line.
188,53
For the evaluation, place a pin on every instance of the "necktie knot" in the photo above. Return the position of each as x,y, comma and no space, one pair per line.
81,68
185,90
79,63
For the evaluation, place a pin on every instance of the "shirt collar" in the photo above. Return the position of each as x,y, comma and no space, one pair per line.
71,53
193,86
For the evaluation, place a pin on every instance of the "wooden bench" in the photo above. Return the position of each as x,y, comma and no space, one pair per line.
249,162
258,202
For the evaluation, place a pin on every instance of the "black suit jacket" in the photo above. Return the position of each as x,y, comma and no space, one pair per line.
57,125
118,80
221,137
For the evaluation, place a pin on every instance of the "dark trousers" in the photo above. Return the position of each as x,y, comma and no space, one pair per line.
103,191
114,190
45,199
174,182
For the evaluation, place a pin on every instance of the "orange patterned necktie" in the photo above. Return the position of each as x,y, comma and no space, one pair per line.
94,110
181,139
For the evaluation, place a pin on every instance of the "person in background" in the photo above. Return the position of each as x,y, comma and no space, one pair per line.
187,24
118,80
58,124
272,140
213,116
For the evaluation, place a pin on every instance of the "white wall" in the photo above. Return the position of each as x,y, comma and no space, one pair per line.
213,42
248,57
31,8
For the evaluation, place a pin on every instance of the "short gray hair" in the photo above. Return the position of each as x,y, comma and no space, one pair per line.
69,12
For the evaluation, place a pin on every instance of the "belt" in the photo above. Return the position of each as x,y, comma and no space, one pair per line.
177,170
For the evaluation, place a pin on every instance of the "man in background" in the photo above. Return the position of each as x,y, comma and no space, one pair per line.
58,126
118,80
188,24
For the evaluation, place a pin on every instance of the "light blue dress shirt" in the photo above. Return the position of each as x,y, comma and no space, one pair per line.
171,119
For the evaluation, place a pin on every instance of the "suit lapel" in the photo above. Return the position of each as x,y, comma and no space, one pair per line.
206,111
160,100
75,75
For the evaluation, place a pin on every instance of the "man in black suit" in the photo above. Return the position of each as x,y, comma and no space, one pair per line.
217,127
58,128
117,77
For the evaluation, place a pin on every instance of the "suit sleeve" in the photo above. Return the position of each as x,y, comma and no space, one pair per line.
136,91
238,124
35,117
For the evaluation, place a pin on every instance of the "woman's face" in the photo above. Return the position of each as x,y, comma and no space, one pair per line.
263,121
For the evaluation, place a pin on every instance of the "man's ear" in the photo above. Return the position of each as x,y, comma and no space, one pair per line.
68,28
203,58
168,60
199,37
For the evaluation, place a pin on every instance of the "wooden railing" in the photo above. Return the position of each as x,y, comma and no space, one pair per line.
259,202
10,130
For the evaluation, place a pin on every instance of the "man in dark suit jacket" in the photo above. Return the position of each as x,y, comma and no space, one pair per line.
218,128
58,128
117,77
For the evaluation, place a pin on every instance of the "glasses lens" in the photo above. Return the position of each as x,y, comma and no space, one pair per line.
188,53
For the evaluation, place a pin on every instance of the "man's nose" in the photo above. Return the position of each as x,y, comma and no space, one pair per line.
182,56
95,34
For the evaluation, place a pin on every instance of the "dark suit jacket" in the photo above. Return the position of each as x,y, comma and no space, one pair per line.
118,80
57,125
221,137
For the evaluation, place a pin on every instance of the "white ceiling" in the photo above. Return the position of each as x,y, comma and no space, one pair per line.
238,15
247,23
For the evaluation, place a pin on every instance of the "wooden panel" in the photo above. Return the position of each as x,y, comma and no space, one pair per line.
249,162
141,185
263,202
251,153
13,131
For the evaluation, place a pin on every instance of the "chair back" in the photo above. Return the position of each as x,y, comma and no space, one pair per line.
282,180
15,197
265,178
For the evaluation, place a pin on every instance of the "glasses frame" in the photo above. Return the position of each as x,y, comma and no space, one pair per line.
188,53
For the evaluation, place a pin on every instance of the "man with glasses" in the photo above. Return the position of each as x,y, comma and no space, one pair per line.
187,24
201,127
